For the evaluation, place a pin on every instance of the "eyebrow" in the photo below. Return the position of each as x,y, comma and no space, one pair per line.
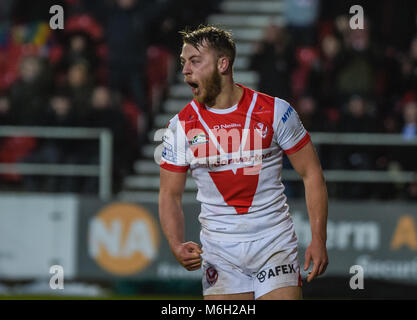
193,56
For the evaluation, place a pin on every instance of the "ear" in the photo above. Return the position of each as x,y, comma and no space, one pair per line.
223,64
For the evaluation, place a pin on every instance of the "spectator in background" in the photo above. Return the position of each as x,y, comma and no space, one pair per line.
405,157
29,94
395,21
274,60
357,65
341,28
301,17
127,29
327,72
409,129
5,111
60,113
311,118
103,113
409,68
79,86
327,98
79,47
357,119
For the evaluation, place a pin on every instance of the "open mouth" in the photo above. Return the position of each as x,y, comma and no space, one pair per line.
194,86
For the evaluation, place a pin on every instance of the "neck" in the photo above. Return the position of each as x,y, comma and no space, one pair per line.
229,95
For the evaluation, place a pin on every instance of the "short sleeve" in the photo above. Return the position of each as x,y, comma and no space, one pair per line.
290,133
175,146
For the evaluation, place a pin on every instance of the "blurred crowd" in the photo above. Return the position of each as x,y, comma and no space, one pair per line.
108,68
341,79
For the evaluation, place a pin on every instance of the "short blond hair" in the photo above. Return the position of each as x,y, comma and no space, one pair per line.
219,40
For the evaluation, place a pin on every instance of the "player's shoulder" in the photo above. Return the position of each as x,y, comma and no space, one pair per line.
283,108
265,99
271,102
279,106
187,113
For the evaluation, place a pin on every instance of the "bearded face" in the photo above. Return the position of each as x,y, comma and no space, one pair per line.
201,73
210,89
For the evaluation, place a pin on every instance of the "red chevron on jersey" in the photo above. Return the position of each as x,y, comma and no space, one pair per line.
237,188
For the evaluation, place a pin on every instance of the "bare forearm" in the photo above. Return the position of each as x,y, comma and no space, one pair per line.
172,219
317,205
307,164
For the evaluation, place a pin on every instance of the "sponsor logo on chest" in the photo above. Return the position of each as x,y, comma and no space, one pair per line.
226,126
199,139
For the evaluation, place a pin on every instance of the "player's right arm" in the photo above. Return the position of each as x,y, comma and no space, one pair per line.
173,175
171,217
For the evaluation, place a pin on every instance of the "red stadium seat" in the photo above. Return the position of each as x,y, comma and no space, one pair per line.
86,23
14,149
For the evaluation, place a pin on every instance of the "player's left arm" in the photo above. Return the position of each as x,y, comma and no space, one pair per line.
307,164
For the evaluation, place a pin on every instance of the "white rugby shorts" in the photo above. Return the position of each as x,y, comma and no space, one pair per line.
258,266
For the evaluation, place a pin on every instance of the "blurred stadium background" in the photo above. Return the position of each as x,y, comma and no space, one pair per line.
80,110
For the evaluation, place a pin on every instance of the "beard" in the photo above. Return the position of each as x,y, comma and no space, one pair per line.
211,88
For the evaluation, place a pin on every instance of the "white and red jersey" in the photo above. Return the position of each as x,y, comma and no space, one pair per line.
235,156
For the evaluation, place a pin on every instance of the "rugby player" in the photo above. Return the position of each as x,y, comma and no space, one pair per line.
232,138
